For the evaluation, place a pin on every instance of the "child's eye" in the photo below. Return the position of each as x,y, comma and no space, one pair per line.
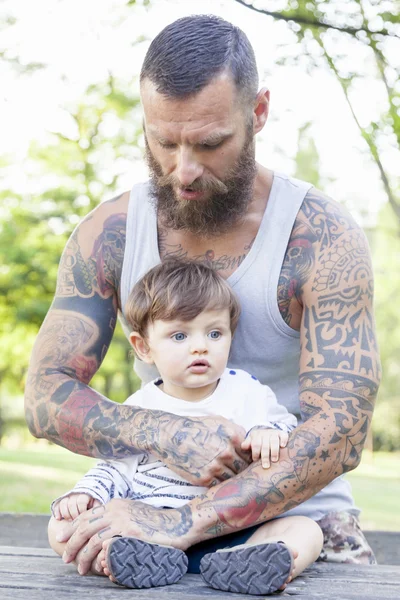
214,335
179,337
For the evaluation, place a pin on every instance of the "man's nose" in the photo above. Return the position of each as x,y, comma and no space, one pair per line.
188,168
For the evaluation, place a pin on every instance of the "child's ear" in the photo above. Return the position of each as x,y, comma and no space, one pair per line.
140,347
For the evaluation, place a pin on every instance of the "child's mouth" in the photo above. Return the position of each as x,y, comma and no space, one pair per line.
199,366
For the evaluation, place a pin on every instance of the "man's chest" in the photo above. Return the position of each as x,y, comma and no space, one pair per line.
226,256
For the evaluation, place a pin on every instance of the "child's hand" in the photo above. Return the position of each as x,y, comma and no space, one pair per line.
265,443
73,505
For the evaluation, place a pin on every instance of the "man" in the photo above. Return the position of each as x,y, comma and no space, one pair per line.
301,268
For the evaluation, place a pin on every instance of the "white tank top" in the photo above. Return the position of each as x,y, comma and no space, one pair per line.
264,344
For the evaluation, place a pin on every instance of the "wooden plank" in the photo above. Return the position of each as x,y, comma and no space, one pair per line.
38,574
386,545
24,529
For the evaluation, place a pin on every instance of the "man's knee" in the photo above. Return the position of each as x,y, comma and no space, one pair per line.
344,542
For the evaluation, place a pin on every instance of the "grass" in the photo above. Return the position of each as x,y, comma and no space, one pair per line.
32,476
376,490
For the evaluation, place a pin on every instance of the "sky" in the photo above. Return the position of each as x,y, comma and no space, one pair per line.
81,41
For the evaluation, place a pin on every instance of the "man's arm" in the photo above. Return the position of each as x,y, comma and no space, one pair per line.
75,337
70,348
328,281
328,270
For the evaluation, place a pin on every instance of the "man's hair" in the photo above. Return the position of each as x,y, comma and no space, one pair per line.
189,53
179,290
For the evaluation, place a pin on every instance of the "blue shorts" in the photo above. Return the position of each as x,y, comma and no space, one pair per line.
195,553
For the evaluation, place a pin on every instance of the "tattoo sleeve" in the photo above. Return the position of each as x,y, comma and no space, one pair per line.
75,337
72,343
327,271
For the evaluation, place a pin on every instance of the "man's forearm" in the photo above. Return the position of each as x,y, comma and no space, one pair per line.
77,417
73,415
316,454
257,494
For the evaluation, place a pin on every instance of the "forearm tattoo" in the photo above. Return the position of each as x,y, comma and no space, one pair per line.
152,521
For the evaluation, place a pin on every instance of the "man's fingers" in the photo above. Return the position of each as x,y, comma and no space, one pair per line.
66,532
79,531
236,464
225,474
244,455
91,549
246,444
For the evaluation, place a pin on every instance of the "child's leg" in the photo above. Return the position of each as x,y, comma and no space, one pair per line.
302,535
263,565
54,528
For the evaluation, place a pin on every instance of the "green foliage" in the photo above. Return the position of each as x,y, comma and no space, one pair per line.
386,253
307,159
75,172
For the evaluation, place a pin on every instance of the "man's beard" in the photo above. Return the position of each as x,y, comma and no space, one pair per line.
224,207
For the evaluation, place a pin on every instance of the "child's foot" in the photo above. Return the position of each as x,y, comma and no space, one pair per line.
137,564
258,569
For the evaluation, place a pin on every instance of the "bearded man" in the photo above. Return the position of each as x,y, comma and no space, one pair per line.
300,266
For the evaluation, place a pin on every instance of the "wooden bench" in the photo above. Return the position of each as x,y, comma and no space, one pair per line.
30,570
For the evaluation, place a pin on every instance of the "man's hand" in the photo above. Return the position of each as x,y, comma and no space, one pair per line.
265,443
203,450
86,534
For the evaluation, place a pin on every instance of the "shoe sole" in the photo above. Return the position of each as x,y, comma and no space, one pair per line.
259,569
137,564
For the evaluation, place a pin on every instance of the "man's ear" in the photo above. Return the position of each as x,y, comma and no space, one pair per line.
261,110
140,347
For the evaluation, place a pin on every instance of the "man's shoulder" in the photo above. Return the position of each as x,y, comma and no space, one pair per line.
110,214
325,219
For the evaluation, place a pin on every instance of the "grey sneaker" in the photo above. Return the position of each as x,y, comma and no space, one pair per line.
137,564
248,569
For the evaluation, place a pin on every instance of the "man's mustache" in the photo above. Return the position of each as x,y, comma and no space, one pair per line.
206,184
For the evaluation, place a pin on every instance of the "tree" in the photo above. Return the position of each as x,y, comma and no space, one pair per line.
331,32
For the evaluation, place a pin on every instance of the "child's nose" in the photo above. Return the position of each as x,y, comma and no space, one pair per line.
199,345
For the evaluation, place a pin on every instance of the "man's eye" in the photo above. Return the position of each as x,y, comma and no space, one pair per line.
211,146
179,337
214,335
167,145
